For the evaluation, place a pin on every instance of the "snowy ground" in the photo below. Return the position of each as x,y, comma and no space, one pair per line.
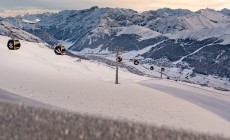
35,72
6,96
171,71
206,98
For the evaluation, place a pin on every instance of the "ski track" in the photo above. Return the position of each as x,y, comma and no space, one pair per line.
191,54
214,102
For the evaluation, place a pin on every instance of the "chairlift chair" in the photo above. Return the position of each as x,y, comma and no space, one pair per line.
13,44
119,59
136,62
151,68
60,50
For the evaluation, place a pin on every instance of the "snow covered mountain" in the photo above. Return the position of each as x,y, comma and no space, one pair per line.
72,25
225,11
166,12
7,29
188,44
14,13
27,22
202,19
214,16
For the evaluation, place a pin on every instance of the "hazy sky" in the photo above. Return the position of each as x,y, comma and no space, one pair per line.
139,5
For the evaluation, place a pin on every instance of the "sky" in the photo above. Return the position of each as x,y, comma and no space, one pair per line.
138,5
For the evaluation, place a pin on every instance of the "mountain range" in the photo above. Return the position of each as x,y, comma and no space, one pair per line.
192,46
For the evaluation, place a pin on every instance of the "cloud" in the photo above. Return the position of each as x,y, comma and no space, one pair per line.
139,5
191,4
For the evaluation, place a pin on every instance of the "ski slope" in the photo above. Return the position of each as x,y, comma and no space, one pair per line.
35,72
206,98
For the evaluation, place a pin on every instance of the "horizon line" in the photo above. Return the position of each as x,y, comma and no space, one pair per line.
101,7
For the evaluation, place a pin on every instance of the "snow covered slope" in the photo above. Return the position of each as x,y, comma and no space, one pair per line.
187,43
166,12
34,71
221,33
34,18
8,29
214,16
144,33
191,22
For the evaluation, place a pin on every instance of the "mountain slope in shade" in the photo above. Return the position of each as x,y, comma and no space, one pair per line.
225,11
